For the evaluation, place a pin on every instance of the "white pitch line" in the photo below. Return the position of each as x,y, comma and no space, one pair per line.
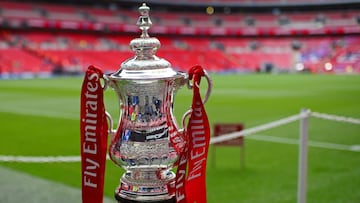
325,145
42,159
39,159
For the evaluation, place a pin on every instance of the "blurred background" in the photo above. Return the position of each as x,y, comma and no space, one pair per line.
41,38
268,59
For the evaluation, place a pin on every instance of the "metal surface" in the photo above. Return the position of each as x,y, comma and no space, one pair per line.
145,85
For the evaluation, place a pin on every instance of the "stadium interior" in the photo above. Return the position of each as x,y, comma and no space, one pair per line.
286,70
281,36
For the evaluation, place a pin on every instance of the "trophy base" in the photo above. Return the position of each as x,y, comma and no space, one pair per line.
123,200
147,191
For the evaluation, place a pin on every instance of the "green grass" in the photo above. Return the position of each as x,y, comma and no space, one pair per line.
40,117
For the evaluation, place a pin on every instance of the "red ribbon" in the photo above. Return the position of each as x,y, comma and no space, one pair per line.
94,132
192,188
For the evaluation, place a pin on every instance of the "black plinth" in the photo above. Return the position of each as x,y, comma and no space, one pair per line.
122,200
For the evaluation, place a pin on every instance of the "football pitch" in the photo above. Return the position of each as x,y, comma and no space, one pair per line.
40,117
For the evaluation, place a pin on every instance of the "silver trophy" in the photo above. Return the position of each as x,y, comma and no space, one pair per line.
146,85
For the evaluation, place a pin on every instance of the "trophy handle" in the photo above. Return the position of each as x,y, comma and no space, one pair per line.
207,95
110,120
111,131
209,81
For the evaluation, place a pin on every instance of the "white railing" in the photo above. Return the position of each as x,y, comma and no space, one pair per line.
303,116
259,128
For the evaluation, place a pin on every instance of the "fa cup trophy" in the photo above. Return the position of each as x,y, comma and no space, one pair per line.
147,142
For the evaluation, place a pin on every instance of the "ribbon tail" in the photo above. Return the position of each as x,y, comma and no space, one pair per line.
93,132
199,139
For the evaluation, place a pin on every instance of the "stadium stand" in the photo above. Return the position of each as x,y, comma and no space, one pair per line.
45,38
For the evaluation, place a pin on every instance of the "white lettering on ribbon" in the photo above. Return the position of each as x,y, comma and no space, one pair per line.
198,140
90,142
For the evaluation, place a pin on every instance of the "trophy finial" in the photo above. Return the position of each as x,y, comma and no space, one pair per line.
145,46
144,21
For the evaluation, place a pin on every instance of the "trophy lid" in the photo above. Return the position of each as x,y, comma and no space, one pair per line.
145,65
